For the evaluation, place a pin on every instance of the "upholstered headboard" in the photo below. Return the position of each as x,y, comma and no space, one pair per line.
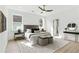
30,27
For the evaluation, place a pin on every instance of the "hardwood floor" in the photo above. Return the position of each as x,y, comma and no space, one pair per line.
12,47
22,46
72,47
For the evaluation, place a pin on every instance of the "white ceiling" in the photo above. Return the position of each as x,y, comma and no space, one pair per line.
36,10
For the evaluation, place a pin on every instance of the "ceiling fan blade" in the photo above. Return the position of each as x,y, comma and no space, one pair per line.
42,9
49,10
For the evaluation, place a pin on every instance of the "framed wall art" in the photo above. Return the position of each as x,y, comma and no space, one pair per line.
2,22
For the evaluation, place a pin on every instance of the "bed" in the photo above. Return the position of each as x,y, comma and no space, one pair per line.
32,33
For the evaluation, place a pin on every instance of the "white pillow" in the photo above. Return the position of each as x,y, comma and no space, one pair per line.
28,30
37,31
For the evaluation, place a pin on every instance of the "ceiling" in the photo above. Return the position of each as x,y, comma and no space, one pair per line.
35,10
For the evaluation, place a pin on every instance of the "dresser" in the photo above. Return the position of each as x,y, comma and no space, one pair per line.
71,35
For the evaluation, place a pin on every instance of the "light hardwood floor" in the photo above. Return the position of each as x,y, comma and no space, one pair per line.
12,47
72,47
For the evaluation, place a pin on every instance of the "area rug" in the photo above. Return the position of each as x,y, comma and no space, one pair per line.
26,47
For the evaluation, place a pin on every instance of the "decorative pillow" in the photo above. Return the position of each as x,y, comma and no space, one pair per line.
32,30
28,30
36,31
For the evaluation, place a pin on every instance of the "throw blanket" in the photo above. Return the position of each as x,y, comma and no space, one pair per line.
28,35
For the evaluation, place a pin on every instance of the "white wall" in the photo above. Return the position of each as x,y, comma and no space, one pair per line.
31,19
3,35
65,16
3,41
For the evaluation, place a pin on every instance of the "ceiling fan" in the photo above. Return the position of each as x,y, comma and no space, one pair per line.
44,9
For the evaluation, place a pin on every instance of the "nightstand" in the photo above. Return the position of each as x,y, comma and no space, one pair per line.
18,36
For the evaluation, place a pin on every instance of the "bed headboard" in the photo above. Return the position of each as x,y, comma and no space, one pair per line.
30,27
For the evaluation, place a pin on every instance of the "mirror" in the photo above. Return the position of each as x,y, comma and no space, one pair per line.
2,22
